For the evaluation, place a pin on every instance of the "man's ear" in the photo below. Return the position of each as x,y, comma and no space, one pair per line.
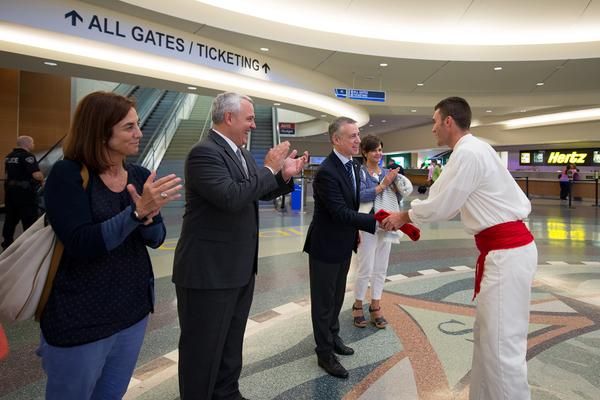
228,117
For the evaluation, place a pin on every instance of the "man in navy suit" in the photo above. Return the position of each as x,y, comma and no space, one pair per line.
216,256
331,238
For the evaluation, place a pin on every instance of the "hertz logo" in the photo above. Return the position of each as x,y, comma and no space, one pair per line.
556,157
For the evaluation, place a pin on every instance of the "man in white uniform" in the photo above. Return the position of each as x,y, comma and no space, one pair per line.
492,207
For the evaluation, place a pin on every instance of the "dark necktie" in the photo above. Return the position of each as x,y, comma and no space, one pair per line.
349,168
243,161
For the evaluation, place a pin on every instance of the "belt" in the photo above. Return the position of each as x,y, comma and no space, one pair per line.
508,235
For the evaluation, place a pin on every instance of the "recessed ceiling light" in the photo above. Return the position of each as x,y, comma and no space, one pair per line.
383,65
370,126
420,84
497,68
488,111
276,104
323,115
413,110
264,49
50,63
192,87
523,110
384,121
592,114
540,84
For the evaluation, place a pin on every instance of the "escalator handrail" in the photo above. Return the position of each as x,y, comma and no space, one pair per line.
208,118
158,133
55,145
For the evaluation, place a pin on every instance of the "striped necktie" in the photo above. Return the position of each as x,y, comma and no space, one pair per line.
349,168
243,161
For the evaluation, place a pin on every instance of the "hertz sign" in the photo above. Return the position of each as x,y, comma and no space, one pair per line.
581,157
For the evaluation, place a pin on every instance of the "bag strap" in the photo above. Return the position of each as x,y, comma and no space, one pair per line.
56,257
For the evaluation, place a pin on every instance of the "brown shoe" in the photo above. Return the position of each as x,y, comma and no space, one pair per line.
379,322
359,320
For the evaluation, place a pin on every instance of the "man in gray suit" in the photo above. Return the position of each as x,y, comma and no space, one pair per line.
216,256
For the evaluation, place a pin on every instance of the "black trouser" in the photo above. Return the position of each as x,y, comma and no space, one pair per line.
212,324
327,289
20,206
564,189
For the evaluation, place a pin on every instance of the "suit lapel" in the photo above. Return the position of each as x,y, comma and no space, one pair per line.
228,150
342,172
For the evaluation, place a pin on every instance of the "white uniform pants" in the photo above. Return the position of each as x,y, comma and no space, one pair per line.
372,262
499,370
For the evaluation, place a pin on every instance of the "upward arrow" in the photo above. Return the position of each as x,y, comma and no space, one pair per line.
74,17
266,67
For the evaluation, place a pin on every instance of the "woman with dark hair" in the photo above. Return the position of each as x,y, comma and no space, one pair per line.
374,251
93,324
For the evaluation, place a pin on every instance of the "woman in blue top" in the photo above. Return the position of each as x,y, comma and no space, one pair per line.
373,252
93,324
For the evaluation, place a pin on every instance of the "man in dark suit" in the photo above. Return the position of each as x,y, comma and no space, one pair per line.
331,238
216,256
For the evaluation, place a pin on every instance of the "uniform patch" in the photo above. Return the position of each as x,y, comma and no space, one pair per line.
30,159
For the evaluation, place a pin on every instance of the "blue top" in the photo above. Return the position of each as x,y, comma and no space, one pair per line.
104,282
368,183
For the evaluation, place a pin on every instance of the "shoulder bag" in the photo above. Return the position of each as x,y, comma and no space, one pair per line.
28,267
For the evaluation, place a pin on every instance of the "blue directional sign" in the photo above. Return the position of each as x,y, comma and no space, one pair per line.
360,94
368,95
341,93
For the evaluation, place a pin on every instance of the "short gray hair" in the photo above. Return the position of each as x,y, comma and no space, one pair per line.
25,141
226,102
335,126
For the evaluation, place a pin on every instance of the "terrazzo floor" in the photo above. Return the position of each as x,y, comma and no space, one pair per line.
425,352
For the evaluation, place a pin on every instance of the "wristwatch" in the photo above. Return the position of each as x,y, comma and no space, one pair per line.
136,216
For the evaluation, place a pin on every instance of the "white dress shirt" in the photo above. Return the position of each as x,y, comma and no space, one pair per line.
476,184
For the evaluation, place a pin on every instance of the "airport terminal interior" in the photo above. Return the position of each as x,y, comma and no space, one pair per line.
531,72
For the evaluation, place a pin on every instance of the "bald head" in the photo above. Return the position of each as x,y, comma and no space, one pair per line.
25,142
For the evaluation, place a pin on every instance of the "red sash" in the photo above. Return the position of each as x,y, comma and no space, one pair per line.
508,235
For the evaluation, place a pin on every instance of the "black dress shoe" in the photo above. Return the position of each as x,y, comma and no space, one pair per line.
332,366
340,348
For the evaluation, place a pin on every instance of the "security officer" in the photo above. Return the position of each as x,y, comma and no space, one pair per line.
23,179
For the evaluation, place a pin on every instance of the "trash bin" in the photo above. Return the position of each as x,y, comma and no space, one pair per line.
297,198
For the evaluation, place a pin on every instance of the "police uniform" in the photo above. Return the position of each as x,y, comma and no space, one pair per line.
20,191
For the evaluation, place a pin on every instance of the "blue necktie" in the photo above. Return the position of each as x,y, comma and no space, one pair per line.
349,168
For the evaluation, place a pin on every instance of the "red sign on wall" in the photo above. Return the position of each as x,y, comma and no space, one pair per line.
287,128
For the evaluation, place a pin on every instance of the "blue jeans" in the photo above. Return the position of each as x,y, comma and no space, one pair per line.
99,370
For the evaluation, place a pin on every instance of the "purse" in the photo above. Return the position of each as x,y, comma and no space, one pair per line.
28,267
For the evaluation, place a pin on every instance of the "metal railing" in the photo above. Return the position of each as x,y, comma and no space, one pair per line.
156,148
207,119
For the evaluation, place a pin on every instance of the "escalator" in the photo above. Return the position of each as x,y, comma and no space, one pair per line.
262,138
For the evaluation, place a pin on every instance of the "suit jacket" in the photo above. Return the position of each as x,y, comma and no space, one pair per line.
218,246
333,232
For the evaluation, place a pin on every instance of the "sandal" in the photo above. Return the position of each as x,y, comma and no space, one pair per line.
360,321
379,322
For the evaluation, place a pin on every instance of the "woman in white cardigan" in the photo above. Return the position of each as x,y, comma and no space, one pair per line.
373,252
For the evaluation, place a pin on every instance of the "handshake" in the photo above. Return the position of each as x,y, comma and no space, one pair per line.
394,221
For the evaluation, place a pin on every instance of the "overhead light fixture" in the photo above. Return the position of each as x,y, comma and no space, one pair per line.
276,104
420,84
383,65
192,87
323,116
50,63
590,114
413,110
497,68
370,126
264,49
540,84
384,121
488,111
